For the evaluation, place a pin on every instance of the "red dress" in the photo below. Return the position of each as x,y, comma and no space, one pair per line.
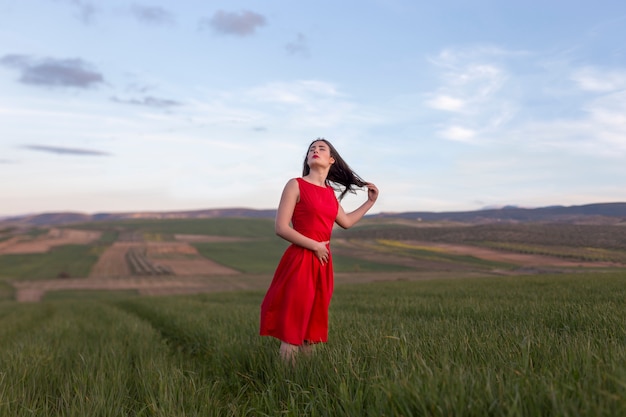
295,307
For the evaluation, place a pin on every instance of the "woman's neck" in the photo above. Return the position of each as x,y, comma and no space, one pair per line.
317,176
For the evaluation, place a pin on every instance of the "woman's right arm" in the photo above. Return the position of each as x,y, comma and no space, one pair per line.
287,205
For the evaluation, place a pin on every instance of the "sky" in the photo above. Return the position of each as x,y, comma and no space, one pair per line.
121,105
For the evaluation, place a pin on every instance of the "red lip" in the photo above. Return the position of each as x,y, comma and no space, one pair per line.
315,157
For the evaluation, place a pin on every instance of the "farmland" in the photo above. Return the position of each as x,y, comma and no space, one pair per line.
153,257
198,255
442,320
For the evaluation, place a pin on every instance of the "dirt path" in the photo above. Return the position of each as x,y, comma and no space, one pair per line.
33,291
360,249
112,262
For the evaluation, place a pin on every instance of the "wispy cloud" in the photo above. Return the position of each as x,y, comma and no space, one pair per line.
598,80
296,92
446,102
65,151
6,161
149,101
476,92
487,95
86,11
299,46
458,133
53,72
244,23
152,15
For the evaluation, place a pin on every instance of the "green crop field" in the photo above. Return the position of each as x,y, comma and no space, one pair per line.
74,260
545,345
239,227
572,235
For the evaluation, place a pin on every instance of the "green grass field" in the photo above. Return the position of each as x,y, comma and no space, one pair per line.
548,345
551,345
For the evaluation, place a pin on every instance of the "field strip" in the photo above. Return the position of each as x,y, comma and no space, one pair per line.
184,259
179,257
31,291
112,262
210,238
43,243
509,257
372,251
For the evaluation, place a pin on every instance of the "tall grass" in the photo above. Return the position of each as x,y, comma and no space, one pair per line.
6,291
549,346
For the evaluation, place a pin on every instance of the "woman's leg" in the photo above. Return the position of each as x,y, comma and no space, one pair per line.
288,352
307,348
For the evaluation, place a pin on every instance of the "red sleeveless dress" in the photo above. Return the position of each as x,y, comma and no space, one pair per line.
295,307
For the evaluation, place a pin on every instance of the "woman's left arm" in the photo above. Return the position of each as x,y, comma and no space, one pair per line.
347,220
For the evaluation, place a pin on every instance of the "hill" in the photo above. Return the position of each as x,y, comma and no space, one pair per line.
600,213
62,218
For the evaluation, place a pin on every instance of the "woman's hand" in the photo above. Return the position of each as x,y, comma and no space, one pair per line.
322,252
372,192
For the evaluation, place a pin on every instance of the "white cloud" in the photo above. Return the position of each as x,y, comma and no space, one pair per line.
487,96
598,80
446,102
474,92
458,133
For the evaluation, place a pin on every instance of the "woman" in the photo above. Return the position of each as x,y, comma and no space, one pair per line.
295,308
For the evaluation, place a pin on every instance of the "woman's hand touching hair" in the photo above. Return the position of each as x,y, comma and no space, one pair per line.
372,192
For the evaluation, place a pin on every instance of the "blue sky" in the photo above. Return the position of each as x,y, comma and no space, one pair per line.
450,105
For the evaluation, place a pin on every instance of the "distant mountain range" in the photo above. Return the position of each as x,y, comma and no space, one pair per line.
72,217
601,213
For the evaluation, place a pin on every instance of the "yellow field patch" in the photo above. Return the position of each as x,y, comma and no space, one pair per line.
405,245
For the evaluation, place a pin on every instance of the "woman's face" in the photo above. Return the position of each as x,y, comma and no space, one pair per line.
319,153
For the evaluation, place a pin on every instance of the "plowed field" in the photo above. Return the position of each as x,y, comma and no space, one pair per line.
40,244
180,257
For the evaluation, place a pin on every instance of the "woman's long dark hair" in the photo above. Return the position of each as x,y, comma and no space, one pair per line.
341,176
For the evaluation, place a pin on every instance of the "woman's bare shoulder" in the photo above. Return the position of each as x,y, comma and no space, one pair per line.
293,183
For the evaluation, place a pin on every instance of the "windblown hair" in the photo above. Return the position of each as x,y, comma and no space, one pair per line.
340,177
